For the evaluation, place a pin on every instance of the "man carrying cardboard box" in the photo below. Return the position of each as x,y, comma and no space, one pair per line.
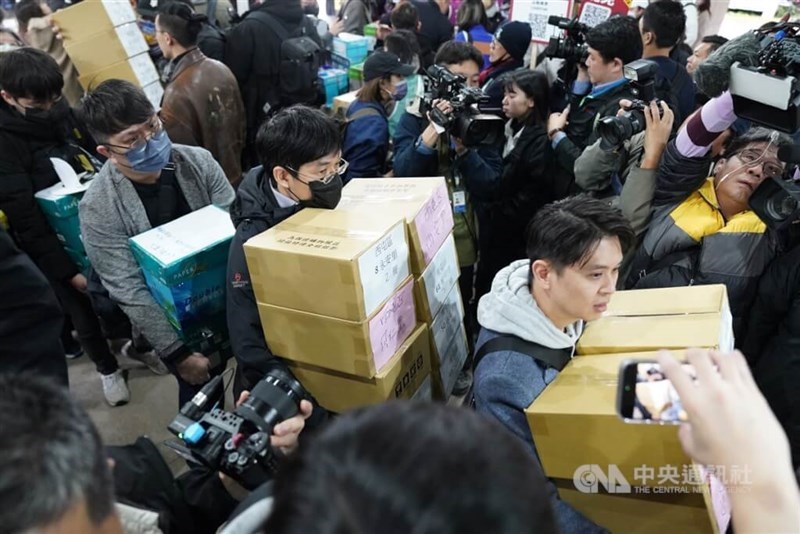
301,166
146,182
534,314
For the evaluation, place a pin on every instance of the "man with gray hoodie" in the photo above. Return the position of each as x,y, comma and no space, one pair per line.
535,312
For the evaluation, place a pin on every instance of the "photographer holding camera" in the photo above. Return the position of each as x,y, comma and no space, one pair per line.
597,90
424,148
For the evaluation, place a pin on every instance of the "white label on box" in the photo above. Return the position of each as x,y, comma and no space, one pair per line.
452,361
726,340
425,391
448,321
392,325
187,235
132,39
154,92
434,222
144,69
119,11
441,275
383,268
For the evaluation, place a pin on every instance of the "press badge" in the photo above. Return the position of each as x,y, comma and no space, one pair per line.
459,201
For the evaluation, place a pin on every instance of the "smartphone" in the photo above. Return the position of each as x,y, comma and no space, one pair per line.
646,395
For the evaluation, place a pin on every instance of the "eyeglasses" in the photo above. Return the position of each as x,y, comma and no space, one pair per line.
750,157
43,106
155,131
341,168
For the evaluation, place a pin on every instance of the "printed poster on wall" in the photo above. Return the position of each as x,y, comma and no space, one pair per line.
536,13
593,12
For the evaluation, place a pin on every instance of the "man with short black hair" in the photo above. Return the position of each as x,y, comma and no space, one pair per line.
294,173
146,182
535,312
708,45
37,124
202,105
662,27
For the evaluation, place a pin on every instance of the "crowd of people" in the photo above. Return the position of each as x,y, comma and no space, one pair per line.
550,219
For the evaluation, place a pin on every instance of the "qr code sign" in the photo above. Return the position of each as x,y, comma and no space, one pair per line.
538,24
592,14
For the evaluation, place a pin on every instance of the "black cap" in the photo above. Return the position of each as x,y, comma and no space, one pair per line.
382,63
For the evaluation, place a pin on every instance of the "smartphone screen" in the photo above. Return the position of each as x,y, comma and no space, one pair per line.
645,395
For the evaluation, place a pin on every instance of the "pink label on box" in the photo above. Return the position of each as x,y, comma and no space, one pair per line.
434,222
392,325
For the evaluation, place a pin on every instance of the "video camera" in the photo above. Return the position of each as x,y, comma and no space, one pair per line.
768,92
237,443
572,45
616,130
777,201
470,120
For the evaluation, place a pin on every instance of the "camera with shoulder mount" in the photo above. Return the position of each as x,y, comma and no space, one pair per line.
572,45
776,201
237,443
470,120
615,130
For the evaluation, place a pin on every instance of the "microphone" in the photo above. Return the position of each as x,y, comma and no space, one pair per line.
712,76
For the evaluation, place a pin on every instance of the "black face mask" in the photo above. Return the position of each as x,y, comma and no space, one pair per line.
56,114
325,196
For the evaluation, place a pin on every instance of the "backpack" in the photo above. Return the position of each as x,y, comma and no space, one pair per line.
300,60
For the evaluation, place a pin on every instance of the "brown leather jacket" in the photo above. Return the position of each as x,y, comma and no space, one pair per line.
203,107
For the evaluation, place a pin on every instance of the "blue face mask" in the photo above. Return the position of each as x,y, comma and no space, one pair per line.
153,156
400,91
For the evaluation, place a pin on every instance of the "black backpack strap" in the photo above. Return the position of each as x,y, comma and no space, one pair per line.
555,358
363,112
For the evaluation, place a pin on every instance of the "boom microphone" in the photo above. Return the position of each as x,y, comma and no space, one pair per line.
713,75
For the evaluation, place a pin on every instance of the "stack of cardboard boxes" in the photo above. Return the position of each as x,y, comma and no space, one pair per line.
336,300
425,206
575,423
104,42
184,263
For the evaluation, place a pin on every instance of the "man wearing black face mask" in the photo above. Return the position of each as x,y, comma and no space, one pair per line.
36,124
146,182
301,166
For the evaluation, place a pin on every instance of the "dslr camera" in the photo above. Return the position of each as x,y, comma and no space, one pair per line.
572,45
768,93
470,120
616,130
237,443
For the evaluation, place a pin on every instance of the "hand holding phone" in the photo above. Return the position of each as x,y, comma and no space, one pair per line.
646,395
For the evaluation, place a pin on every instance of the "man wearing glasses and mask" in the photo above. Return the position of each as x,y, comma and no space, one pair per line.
146,182
301,167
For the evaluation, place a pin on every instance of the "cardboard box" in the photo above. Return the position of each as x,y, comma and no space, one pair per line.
403,376
184,263
138,70
61,211
99,15
353,47
425,391
342,264
448,321
435,283
447,365
575,425
423,202
335,82
342,102
669,318
360,348
94,52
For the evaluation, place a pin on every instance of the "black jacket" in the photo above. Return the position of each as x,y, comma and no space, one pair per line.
30,317
254,211
772,344
253,53
435,26
25,168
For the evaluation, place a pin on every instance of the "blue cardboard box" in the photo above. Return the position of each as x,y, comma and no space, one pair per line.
184,264
336,83
353,47
61,210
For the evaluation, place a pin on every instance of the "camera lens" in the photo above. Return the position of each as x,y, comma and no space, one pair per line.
781,207
614,130
274,399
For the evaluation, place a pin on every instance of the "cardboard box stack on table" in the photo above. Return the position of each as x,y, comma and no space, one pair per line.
104,42
335,82
336,301
355,48
425,206
575,424
184,263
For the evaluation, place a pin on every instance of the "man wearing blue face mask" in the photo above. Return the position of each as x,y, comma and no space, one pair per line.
146,182
366,140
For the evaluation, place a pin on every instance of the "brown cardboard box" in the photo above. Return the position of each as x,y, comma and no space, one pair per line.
106,47
342,102
669,318
403,377
138,70
92,15
434,285
357,348
342,264
575,425
446,366
423,202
